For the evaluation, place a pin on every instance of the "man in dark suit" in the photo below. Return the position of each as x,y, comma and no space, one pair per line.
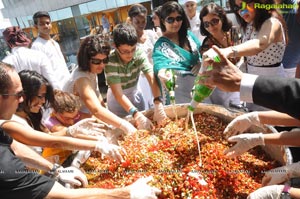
281,94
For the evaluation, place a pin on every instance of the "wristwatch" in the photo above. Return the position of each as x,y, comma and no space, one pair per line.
53,173
159,98
285,192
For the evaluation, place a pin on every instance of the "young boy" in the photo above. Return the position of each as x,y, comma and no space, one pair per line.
122,74
66,113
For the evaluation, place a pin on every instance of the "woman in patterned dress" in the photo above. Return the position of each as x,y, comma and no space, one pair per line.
264,38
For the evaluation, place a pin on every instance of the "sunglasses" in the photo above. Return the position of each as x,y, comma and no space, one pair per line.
18,94
171,20
212,22
99,61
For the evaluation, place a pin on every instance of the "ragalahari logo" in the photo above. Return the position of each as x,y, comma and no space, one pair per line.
269,6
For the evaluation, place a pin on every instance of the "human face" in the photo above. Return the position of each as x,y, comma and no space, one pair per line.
44,26
176,25
212,23
126,52
97,63
39,100
246,9
139,22
68,119
10,103
190,9
155,20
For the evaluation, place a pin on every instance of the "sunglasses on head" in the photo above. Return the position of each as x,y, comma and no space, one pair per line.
171,20
99,61
212,22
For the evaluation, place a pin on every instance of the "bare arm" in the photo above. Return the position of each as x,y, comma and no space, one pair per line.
277,118
270,32
153,84
36,138
295,193
291,138
60,192
89,97
30,157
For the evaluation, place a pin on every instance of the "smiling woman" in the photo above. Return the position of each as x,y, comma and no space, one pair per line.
38,94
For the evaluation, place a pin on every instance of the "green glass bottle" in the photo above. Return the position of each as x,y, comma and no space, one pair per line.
201,91
170,84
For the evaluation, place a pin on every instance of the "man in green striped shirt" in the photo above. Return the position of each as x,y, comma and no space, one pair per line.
122,75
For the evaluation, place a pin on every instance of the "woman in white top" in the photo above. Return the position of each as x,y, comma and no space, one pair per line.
264,39
92,58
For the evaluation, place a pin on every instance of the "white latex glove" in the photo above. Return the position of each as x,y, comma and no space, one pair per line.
143,122
159,113
196,68
114,135
268,192
73,176
281,174
86,126
244,143
110,150
80,158
141,190
127,127
242,123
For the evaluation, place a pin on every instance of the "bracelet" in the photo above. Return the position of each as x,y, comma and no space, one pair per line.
235,51
53,172
133,111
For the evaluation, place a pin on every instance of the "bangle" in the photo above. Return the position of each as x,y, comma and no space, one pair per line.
53,172
235,51
133,111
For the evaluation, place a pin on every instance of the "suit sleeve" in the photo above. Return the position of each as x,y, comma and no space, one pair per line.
280,94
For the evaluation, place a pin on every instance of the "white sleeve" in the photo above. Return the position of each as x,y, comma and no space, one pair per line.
246,88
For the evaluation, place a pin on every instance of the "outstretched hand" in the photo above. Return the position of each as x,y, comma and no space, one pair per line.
225,75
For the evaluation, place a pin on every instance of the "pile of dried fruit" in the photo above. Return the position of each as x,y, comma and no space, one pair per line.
170,155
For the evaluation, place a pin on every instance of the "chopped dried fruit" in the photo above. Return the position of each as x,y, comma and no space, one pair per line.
170,155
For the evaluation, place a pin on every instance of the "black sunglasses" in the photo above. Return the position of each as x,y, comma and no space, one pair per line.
99,61
212,22
18,94
171,20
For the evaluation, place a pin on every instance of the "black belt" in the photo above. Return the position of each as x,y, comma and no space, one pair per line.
268,66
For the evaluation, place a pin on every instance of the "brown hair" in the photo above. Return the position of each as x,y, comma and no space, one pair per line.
65,102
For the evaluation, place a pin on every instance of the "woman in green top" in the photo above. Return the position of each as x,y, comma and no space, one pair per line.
177,49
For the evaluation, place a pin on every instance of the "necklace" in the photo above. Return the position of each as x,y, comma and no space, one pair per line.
219,44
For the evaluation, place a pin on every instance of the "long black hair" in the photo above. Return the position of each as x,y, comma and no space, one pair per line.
32,81
168,8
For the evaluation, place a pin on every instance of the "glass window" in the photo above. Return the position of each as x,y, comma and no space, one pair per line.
95,6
